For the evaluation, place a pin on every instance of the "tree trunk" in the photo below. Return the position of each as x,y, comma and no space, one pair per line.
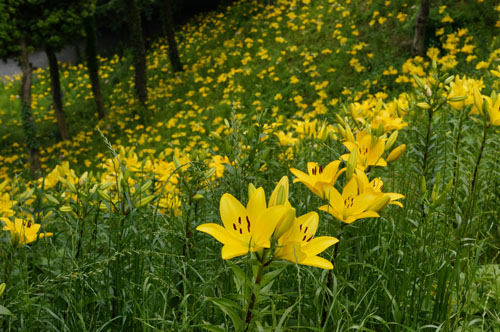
139,50
92,63
168,29
56,93
26,115
418,44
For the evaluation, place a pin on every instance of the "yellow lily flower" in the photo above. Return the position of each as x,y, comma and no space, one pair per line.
493,107
6,204
369,148
23,231
351,205
298,244
376,186
318,180
245,229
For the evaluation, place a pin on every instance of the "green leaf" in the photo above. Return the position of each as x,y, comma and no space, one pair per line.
228,307
4,311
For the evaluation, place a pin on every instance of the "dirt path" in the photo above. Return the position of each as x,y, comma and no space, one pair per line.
38,59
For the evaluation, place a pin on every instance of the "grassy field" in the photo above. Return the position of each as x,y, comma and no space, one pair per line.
396,157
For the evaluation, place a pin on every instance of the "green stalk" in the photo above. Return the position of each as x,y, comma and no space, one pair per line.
476,168
258,279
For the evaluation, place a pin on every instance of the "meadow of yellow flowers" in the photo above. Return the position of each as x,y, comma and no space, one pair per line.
383,169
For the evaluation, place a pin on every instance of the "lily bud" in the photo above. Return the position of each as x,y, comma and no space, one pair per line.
348,133
351,164
146,186
392,139
285,223
478,101
66,208
197,197
280,192
145,201
51,198
83,178
423,185
2,288
424,105
341,130
449,79
396,153
419,81
340,120
105,196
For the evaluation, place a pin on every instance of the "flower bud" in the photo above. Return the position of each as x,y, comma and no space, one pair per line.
424,105
392,139
285,223
478,101
144,201
396,153
351,164
280,192
2,288
348,134
66,208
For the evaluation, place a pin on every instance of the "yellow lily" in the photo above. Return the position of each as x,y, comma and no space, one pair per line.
318,180
6,204
245,229
351,205
376,186
298,244
369,148
23,231
493,107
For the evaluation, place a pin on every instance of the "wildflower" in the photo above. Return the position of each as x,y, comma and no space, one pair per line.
376,186
245,229
318,179
351,205
218,162
369,149
23,231
298,244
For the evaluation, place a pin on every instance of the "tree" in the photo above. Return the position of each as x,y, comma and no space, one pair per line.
57,24
418,44
168,30
14,33
92,63
138,49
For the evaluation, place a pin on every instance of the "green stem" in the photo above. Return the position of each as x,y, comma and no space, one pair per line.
329,279
253,299
456,164
476,168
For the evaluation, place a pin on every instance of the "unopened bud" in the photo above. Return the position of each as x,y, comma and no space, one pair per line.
351,164
396,153
424,105
144,201
392,139
280,193
478,101
197,197
2,288
66,208
51,198
285,223
419,81
348,133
